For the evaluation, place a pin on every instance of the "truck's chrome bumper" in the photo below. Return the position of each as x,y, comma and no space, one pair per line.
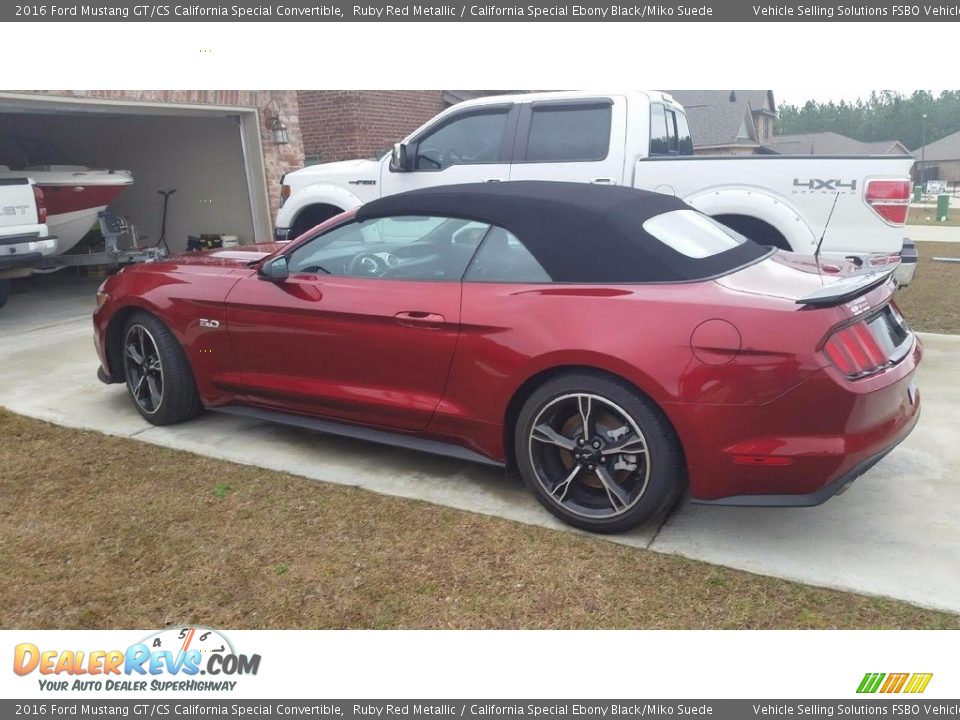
908,263
20,254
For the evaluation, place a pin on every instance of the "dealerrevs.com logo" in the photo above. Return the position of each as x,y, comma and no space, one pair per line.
179,659
894,682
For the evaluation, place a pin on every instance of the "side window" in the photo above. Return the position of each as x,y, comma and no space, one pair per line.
503,258
393,248
659,144
466,140
571,133
671,132
684,141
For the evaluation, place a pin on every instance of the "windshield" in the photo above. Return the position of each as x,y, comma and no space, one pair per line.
692,233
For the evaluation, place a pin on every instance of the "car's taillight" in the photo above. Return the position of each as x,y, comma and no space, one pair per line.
890,199
41,204
854,351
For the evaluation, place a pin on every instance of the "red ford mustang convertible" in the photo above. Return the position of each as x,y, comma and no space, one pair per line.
615,346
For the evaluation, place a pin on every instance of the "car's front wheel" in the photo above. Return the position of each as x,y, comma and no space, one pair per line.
158,376
597,454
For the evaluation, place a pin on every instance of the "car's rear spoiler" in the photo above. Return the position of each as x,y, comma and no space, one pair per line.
848,288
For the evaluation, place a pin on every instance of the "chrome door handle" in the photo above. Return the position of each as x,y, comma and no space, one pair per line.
417,319
603,181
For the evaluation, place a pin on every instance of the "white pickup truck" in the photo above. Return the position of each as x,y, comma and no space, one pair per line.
639,139
24,238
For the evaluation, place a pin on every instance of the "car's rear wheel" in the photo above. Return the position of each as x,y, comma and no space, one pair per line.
597,454
158,376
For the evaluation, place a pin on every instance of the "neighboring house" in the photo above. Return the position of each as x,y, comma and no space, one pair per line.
939,160
831,143
729,122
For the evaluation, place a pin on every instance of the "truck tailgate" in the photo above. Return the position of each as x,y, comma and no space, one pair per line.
18,207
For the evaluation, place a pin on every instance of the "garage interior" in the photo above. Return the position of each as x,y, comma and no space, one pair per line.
210,156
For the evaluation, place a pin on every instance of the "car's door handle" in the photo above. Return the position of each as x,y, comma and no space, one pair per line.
415,318
493,180
603,181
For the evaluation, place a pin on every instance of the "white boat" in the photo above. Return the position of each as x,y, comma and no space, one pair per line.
74,195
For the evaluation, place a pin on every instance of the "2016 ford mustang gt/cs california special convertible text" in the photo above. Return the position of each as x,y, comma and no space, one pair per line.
614,345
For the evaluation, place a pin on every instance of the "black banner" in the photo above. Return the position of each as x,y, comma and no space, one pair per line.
483,11
486,709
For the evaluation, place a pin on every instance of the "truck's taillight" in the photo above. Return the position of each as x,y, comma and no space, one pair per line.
890,199
41,204
854,351
284,194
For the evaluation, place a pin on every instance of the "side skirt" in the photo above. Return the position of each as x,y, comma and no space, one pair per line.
383,437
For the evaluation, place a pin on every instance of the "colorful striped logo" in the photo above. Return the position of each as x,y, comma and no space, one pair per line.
894,682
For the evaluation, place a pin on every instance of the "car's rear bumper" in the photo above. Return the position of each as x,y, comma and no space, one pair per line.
817,497
803,447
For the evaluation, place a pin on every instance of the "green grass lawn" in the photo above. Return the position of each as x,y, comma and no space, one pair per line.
931,303
105,532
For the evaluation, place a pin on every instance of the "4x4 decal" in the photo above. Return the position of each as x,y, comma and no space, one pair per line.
829,185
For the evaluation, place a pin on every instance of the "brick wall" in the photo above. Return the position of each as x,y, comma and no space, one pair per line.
277,159
348,124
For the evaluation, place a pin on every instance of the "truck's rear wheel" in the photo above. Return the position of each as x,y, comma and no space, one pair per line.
762,233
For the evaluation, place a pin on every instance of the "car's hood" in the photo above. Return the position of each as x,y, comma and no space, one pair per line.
245,255
334,172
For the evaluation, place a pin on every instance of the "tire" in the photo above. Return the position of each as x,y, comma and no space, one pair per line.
160,382
628,469
310,217
4,292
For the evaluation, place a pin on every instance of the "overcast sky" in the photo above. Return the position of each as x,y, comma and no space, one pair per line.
799,97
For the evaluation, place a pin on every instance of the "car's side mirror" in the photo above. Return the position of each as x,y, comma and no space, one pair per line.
399,160
275,269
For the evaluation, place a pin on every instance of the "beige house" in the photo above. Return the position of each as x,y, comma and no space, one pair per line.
729,122
831,143
939,160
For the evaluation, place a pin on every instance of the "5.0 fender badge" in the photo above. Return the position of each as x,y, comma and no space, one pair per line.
212,324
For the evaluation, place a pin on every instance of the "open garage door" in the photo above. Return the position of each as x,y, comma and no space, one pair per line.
211,156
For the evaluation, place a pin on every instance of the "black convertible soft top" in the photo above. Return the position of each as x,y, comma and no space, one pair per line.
578,232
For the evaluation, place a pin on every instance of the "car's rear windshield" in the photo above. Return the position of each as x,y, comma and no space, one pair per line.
693,234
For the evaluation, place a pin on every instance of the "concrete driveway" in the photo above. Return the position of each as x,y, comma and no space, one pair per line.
895,533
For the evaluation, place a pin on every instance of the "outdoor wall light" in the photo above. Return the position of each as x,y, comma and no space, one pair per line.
276,124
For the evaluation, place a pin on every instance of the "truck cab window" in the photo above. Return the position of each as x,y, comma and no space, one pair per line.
659,144
684,141
671,132
569,133
471,139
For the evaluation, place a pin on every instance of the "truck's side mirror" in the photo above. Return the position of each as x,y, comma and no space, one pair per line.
274,270
399,161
